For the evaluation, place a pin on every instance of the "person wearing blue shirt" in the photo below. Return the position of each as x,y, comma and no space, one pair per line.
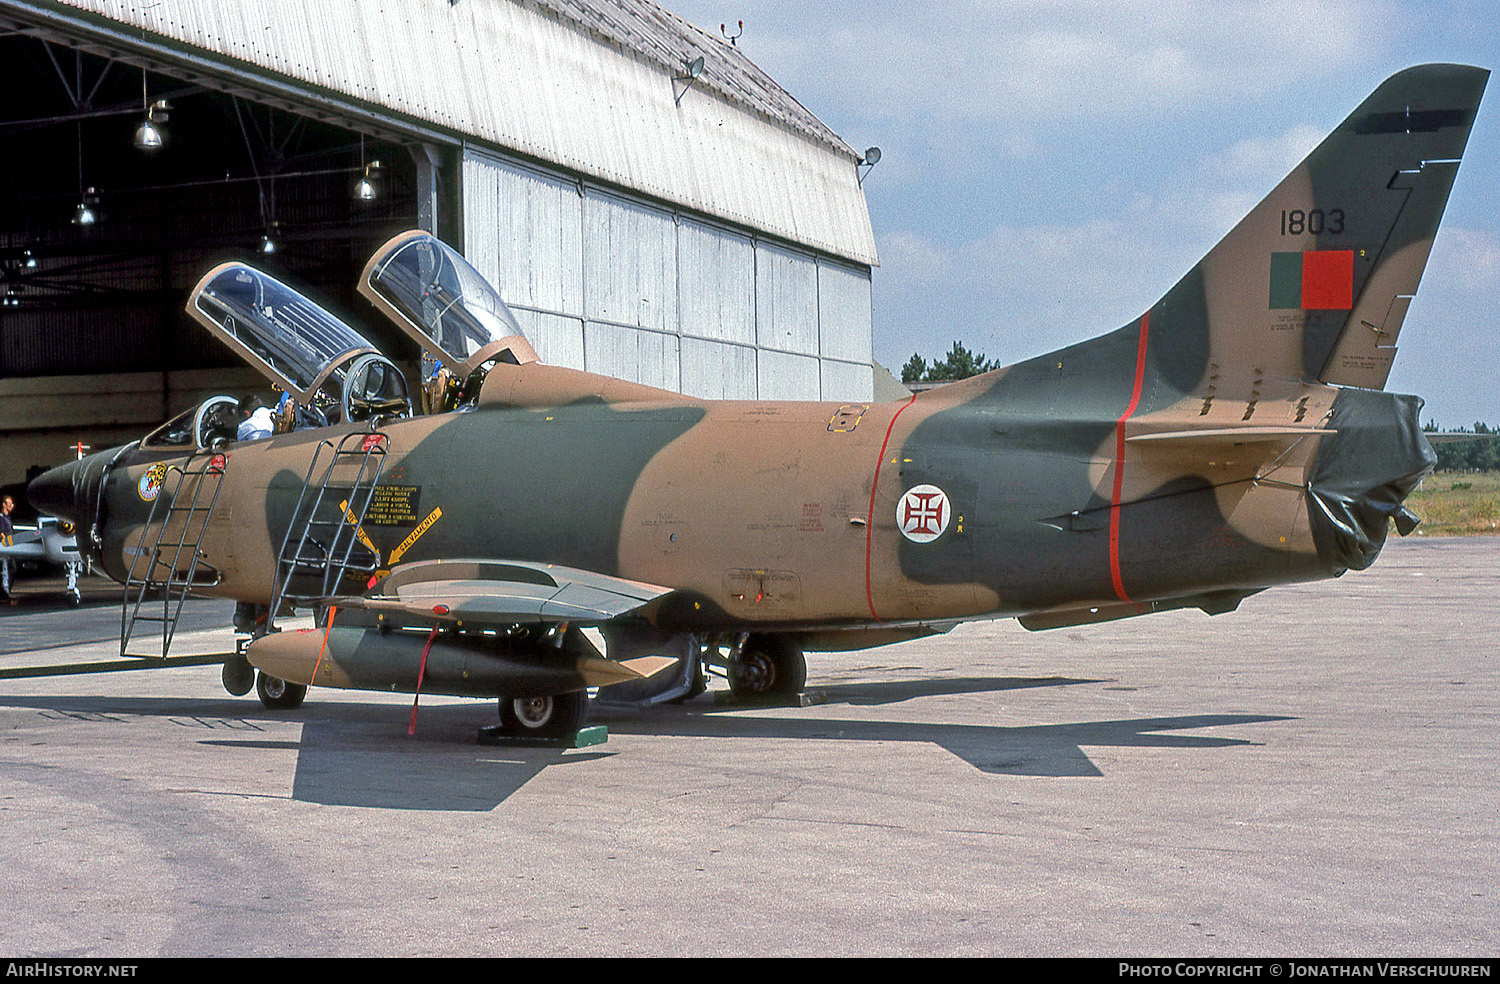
7,534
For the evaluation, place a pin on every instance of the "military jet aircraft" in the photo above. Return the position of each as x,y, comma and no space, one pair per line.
1233,437
50,541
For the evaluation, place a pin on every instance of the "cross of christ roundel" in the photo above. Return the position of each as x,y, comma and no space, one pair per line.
923,513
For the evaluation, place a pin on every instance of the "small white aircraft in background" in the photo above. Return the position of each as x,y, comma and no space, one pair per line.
50,541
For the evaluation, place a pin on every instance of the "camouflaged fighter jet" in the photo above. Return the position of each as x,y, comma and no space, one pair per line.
1233,437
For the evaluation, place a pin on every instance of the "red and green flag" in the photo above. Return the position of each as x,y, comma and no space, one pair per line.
1317,280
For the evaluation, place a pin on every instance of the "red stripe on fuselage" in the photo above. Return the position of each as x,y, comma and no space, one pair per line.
1114,502
875,484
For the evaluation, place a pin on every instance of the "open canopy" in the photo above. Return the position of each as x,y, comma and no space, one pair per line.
326,365
435,296
291,339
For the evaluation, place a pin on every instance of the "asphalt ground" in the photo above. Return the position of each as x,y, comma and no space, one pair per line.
1314,775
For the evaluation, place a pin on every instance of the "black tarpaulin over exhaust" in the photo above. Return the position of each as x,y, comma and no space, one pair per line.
1364,473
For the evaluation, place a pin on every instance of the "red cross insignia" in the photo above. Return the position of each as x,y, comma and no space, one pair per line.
923,513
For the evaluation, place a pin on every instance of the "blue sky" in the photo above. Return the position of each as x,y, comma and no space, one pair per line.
1050,168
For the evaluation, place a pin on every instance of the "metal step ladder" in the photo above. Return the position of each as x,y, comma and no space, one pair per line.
168,562
325,540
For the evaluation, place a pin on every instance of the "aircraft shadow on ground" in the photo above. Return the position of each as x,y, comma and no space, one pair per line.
359,754
896,691
1037,750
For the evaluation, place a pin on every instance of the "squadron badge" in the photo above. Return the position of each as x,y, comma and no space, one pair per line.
150,486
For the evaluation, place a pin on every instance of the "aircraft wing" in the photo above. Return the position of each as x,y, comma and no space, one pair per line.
24,545
483,592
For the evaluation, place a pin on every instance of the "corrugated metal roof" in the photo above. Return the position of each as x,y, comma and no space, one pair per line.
583,84
649,30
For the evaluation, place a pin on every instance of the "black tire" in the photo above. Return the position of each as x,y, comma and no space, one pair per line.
545,717
769,666
238,675
277,694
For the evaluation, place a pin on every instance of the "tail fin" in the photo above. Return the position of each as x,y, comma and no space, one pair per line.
1395,160
1313,284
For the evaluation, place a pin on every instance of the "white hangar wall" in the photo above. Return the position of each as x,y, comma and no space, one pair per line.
606,282
709,236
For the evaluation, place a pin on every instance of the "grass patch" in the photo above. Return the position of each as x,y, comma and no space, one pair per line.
1458,503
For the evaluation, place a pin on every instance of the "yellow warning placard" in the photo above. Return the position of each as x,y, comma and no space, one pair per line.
394,505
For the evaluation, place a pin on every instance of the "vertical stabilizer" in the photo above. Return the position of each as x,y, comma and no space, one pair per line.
1314,283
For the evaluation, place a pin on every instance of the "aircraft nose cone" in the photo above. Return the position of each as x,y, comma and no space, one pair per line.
55,492
72,491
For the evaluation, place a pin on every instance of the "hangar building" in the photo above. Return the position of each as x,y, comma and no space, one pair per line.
650,203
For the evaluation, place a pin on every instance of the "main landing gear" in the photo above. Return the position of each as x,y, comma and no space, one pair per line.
767,666
556,716
238,676
277,694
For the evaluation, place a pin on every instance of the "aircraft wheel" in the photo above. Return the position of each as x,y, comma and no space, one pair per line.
238,675
277,694
768,665
545,717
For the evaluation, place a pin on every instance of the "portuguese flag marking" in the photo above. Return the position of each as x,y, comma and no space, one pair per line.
1318,280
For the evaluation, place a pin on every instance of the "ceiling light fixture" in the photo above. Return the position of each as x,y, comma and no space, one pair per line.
87,212
366,187
149,135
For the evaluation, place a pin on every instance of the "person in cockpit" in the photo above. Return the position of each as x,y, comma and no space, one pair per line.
257,423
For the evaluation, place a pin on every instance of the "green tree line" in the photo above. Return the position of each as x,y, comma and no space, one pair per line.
959,363
1478,455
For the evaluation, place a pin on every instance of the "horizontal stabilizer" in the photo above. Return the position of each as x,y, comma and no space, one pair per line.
1228,435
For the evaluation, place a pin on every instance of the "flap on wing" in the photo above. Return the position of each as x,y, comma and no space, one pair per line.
503,592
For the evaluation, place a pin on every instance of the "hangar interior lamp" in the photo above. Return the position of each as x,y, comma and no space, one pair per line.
150,135
86,214
12,296
268,241
367,185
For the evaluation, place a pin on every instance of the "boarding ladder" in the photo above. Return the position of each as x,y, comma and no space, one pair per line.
167,561
325,540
